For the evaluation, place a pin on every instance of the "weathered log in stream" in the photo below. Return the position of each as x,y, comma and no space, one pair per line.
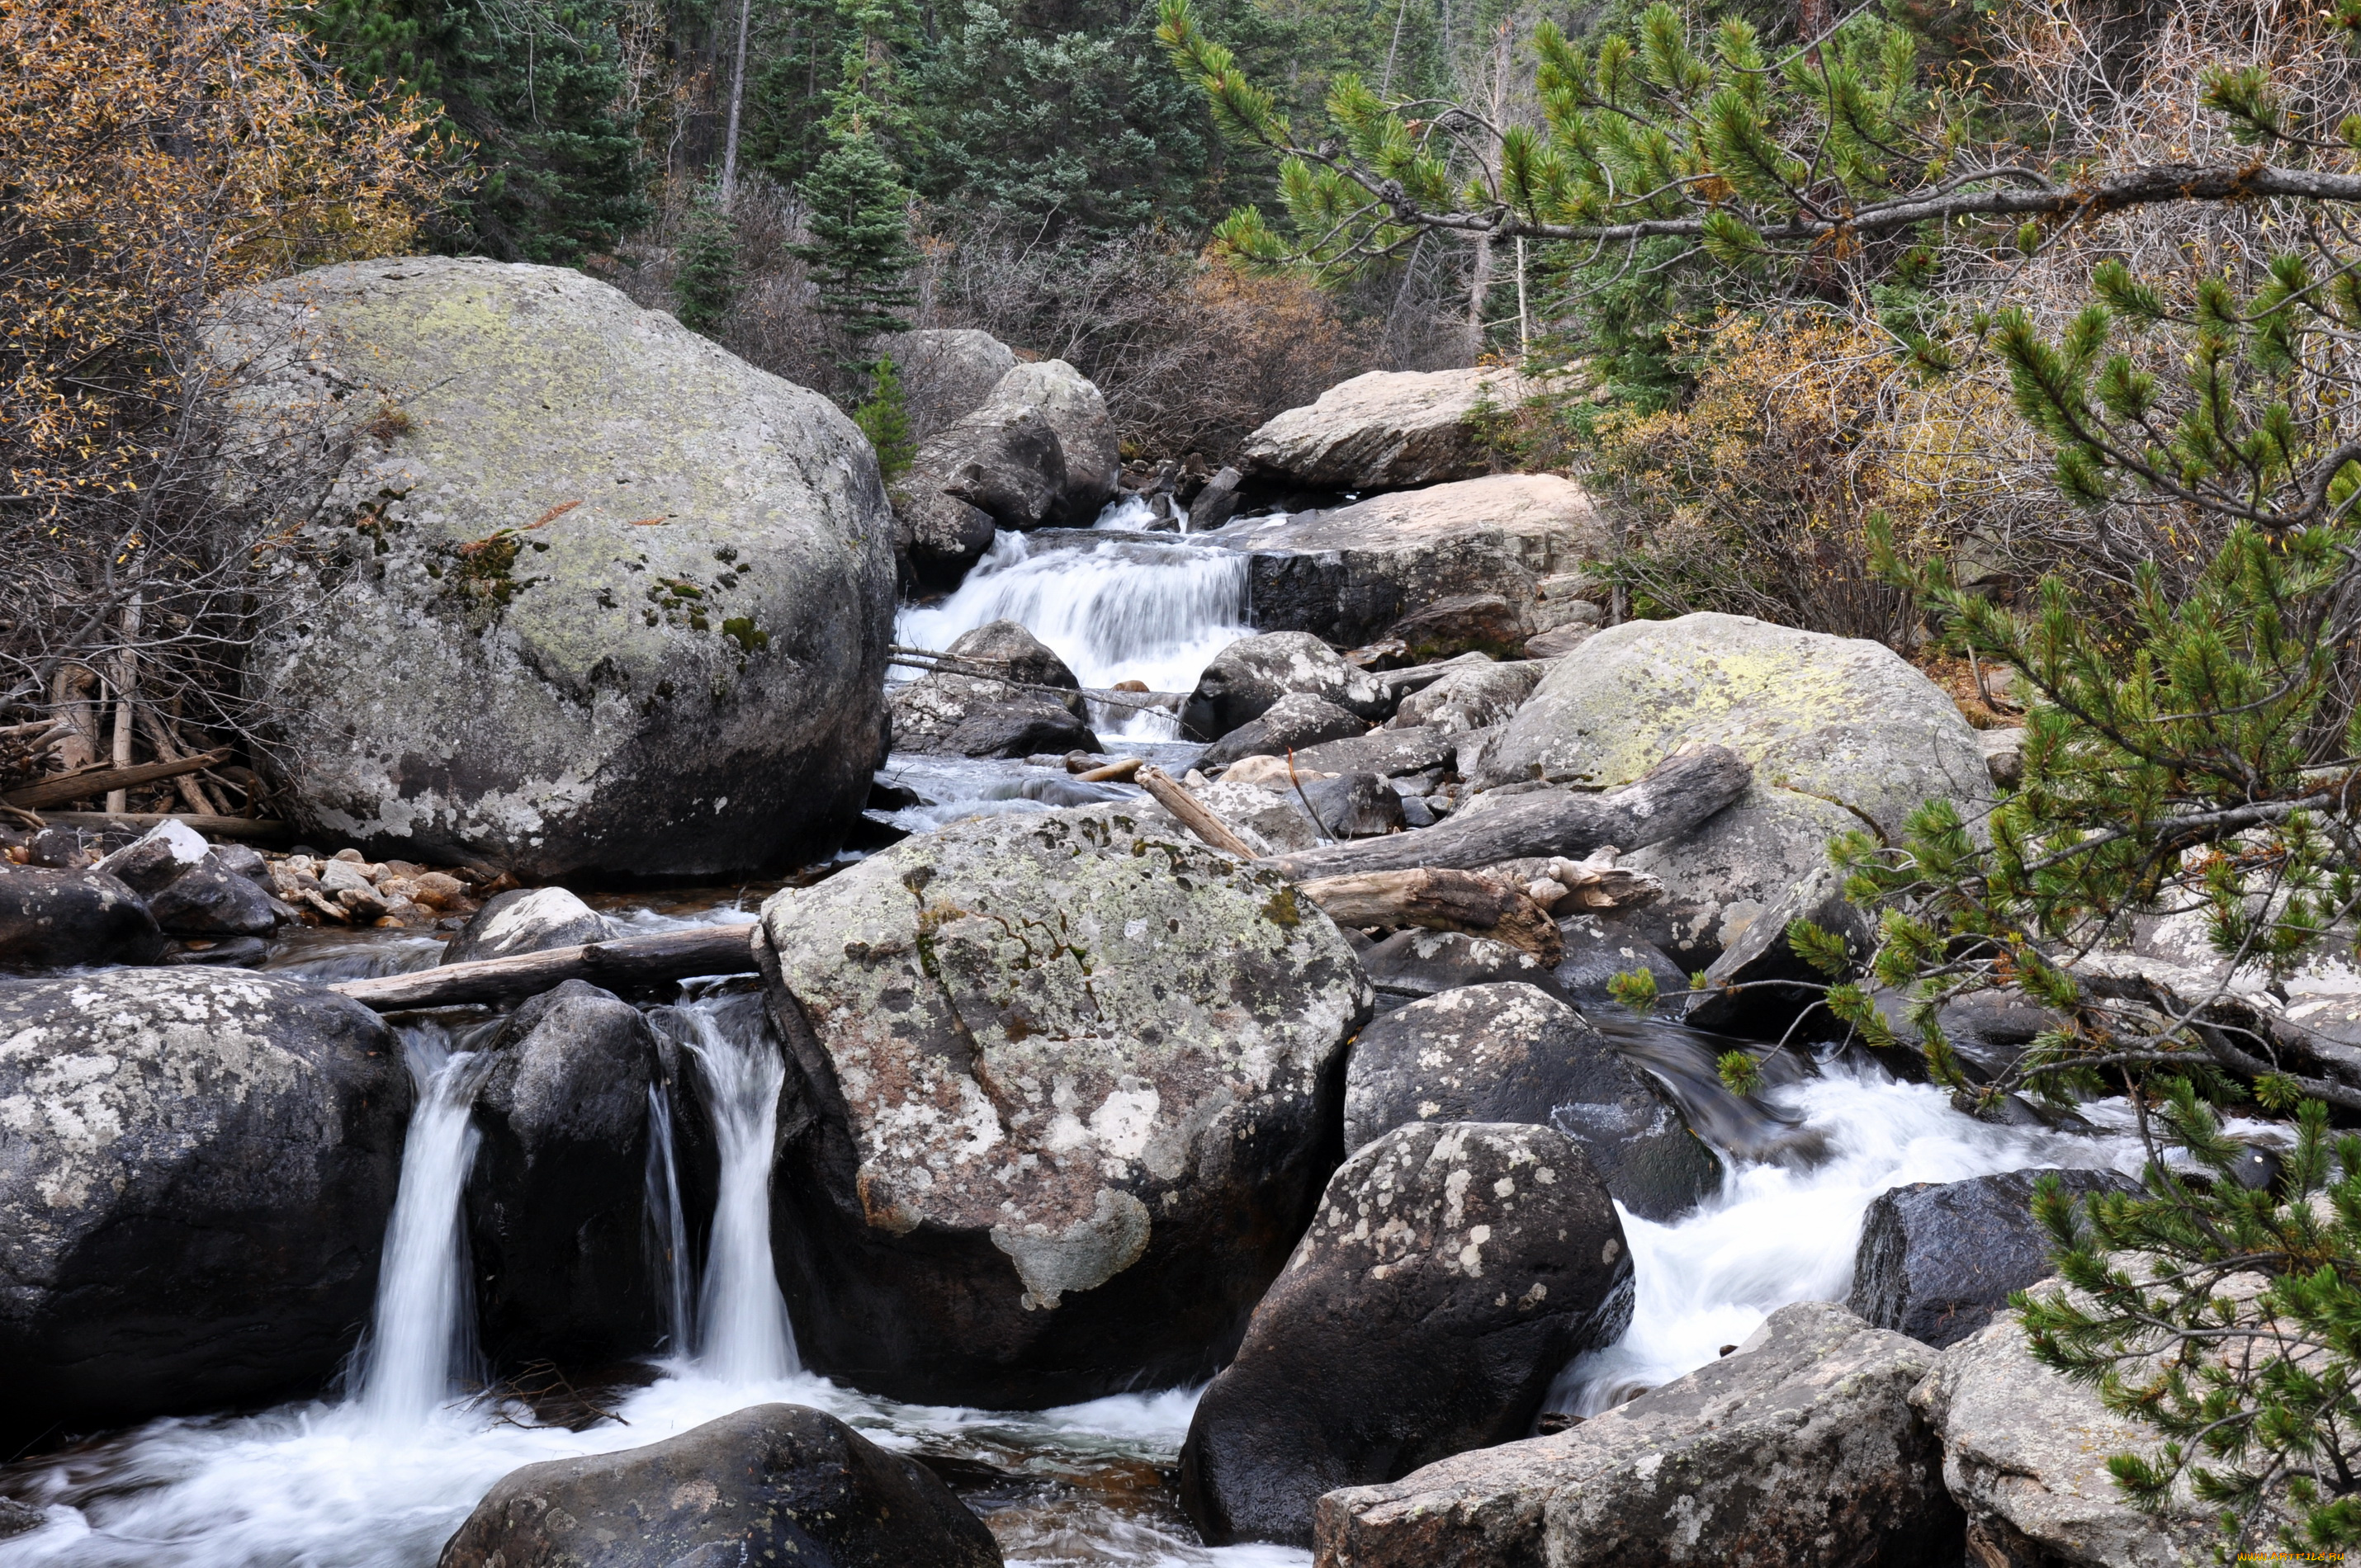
1436,900
1675,799
675,954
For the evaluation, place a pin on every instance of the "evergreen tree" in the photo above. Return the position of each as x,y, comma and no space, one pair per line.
885,419
857,206
705,283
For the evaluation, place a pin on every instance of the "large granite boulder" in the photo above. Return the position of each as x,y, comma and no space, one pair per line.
1798,1450
556,1199
2025,1453
1837,730
589,594
946,372
973,715
1454,1267
1246,680
1937,1259
1388,430
1511,1052
771,1484
1350,574
1474,697
1038,452
52,918
1063,1093
196,1167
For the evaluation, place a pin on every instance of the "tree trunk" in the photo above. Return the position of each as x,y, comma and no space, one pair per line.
1439,900
126,686
737,96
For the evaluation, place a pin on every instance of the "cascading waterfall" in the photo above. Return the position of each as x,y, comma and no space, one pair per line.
743,1335
420,1341
1115,611
668,1225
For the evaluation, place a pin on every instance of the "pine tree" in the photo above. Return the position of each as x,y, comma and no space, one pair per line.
858,206
705,284
885,419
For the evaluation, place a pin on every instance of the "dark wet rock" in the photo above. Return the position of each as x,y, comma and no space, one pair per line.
1354,806
210,900
1217,502
18,1519
1452,1268
1390,754
556,1199
1423,963
1295,721
1063,1089
1243,680
1463,623
1798,1450
938,534
611,598
243,859
1937,1260
199,1169
52,918
1023,725
1513,1053
225,952
1008,466
1759,983
1599,948
771,1484
526,920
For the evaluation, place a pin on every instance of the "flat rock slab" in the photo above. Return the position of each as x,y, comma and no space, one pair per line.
1799,1450
1064,1092
1386,430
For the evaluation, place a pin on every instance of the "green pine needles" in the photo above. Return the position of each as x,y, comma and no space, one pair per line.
885,419
705,283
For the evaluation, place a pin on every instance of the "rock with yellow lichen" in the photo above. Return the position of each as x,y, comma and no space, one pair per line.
1063,1092
580,592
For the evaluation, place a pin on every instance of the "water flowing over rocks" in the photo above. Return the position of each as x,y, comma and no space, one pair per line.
589,593
198,1170
1451,1271
2025,1453
52,918
1511,1052
1246,680
1063,1095
769,1484
1799,1450
556,1202
1937,1260
1837,730
1040,451
1389,430
1350,574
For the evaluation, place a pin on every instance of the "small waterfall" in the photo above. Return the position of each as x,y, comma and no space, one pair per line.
667,1226
743,1335
420,1341
1115,611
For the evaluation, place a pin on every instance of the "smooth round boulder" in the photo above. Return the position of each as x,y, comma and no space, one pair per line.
1063,1092
780,1484
50,919
1838,729
526,920
1452,1268
1511,1052
1076,413
196,1167
556,1199
589,594
1245,680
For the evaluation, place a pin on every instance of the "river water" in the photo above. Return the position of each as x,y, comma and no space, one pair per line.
380,1474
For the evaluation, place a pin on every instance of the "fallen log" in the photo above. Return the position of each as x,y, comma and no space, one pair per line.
1174,797
210,826
105,780
675,954
1439,900
1678,795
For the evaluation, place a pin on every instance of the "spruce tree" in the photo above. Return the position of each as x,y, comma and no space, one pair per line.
857,204
704,281
885,419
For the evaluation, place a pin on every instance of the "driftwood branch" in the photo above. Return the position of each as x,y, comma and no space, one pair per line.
1174,797
207,823
676,955
1438,900
104,781
1677,796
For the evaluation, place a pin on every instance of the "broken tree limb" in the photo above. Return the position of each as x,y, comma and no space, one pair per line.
1174,797
1439,900
675,954
211,825
1680,793
102,781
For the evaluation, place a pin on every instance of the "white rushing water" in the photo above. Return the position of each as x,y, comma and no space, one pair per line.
667,1223
1117,611
421,1342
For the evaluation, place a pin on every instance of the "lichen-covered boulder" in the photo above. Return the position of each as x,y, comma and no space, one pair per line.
1454,1267
772,1484
1246,680
1799,1450
1838,729
1063,1094
1387,430
195,1172
589,594
1511,1052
